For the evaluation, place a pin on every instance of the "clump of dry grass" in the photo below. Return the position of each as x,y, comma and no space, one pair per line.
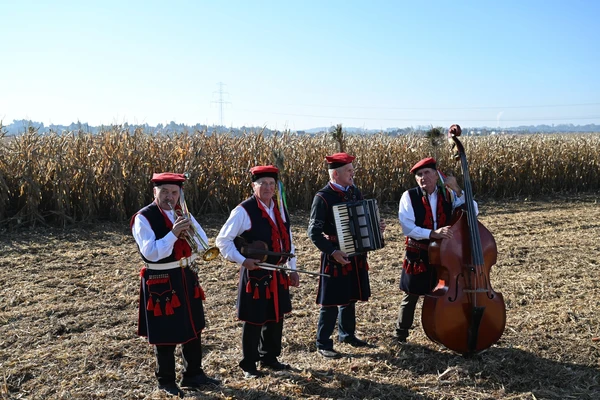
57,179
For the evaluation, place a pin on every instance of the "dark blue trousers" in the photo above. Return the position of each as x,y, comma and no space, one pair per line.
346,318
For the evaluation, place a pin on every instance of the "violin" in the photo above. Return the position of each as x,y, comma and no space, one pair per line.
257,249
463,312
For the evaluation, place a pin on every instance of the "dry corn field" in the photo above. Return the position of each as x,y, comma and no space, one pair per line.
61,179
69,268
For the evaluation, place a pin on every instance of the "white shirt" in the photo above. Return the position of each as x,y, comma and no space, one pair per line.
152,249
406,214
237,223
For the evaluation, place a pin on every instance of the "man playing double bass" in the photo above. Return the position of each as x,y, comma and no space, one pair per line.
425,212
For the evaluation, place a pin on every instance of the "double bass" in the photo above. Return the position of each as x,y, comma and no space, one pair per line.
463,312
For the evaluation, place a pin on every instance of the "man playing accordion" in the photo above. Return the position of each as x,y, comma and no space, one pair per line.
348,277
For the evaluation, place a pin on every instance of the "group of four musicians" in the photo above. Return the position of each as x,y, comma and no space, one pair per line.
171,309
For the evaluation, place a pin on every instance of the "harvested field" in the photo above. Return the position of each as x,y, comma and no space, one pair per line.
68,315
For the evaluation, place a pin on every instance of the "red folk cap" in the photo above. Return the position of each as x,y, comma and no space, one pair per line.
338,160
168,178
262,171
428,162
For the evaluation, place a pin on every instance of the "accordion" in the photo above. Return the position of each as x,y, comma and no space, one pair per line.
357,226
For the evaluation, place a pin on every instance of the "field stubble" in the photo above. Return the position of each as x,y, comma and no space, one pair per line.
68,302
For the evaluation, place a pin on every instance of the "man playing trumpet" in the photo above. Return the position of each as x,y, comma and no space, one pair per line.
170,308
263,295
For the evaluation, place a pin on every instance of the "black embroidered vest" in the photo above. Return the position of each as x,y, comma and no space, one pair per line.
261,228
157,222
416,199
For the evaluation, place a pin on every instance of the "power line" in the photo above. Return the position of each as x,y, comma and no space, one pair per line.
333,117
441,108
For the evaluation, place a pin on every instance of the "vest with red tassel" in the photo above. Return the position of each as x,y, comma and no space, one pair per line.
263,295
417,277
170,306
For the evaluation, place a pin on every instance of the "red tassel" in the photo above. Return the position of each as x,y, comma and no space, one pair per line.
344,270
248,287
255,296
142,272
268,293
405,265
283,280
412,268
157,310
175,300
168,308
335,273
202,295
150,304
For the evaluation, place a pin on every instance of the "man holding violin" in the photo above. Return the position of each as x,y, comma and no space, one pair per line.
170,307
263,294
425,212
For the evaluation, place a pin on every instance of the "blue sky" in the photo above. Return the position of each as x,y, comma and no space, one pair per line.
302,64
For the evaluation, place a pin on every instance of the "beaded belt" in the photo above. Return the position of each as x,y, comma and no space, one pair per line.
417,245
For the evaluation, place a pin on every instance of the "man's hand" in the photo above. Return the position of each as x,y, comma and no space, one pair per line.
450,182
294,279
181,225
340,257
250,264
441,233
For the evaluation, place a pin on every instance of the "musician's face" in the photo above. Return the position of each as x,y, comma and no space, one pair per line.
165,194
345,175
426,179
264,189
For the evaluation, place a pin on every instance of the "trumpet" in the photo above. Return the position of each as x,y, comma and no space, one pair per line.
191,235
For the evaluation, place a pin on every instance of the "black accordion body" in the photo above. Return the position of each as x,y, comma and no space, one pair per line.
357,226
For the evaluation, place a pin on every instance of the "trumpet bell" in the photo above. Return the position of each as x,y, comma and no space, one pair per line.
211,254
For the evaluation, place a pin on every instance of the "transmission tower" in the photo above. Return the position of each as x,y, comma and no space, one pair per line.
221,101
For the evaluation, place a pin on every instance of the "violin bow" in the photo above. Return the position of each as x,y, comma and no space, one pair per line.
281,268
